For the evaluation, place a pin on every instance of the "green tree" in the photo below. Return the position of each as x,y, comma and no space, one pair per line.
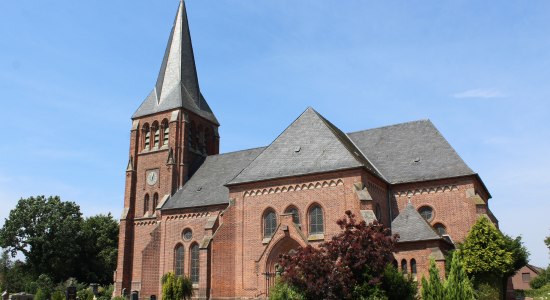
99,239
547,242
432,289
283,291
458,285
485,250
46,231
491,257
176,287
397,286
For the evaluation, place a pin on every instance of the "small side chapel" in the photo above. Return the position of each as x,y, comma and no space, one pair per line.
223,219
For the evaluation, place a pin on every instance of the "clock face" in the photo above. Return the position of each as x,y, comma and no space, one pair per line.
152,177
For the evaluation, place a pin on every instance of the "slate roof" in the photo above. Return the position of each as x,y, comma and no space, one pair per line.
207,186
177,83
411,227
410,152
309,145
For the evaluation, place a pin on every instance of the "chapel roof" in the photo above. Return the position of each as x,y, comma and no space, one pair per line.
177,84
411,227
309,145
207,186
410,152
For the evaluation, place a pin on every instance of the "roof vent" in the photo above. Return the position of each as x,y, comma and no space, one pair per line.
416,160
297,149
199,189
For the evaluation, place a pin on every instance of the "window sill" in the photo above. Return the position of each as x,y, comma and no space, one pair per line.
316,237
266,240
153,150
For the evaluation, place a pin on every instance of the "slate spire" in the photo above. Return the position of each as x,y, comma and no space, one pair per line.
177,83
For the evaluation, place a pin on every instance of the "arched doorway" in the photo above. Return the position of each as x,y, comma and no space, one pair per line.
284,246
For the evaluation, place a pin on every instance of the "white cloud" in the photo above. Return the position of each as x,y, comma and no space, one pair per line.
485,93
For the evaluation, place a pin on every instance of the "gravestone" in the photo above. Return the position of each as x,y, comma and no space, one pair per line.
71,293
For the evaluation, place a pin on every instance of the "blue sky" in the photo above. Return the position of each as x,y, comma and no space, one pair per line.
73,72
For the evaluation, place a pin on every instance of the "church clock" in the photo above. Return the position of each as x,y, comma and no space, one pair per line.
152,177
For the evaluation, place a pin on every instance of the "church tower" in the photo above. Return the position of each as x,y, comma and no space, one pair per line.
172,132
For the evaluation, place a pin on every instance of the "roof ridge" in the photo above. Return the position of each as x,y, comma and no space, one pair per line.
393,125
237,151
340,135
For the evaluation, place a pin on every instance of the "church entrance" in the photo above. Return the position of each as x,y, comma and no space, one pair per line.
286,245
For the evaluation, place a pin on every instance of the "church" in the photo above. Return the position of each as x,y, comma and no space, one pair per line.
224,219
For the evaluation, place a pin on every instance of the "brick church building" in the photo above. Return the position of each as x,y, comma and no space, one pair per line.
223,219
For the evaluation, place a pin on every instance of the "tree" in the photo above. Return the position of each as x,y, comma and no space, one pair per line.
458,285
432,289
491,257
358,255
176,287
283,291
99,241
547,242
46,231
397,286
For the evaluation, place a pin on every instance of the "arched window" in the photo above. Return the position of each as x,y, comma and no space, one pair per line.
195,260
207,139
378,213
316,219
146,203
394,263
155,201
191,135
147,136
413,267
156,139
427,213
270,223
179,254
404,266
295,215
440,228
165,133
200,139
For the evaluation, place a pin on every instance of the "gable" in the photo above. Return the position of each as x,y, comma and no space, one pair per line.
309,145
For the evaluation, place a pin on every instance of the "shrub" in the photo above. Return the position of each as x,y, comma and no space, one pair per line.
283,291
39,295
541,280
339,266
458,285
432,289
58,295
487,291
176,287
397,286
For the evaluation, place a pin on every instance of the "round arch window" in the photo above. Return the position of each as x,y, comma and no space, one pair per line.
187,234
440,228
295,215
427,213
270,223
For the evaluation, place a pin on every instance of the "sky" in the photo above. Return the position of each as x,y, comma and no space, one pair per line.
73,72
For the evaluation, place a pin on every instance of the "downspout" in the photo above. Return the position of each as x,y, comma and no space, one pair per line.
390,210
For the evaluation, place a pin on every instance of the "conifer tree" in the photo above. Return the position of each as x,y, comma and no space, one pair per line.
432,289
458,285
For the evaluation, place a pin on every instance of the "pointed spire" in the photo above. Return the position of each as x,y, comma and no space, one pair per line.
170,160
130,166
177,83
178,65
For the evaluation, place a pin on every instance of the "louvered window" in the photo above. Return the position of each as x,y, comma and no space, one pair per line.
178,260
195,263
316,220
